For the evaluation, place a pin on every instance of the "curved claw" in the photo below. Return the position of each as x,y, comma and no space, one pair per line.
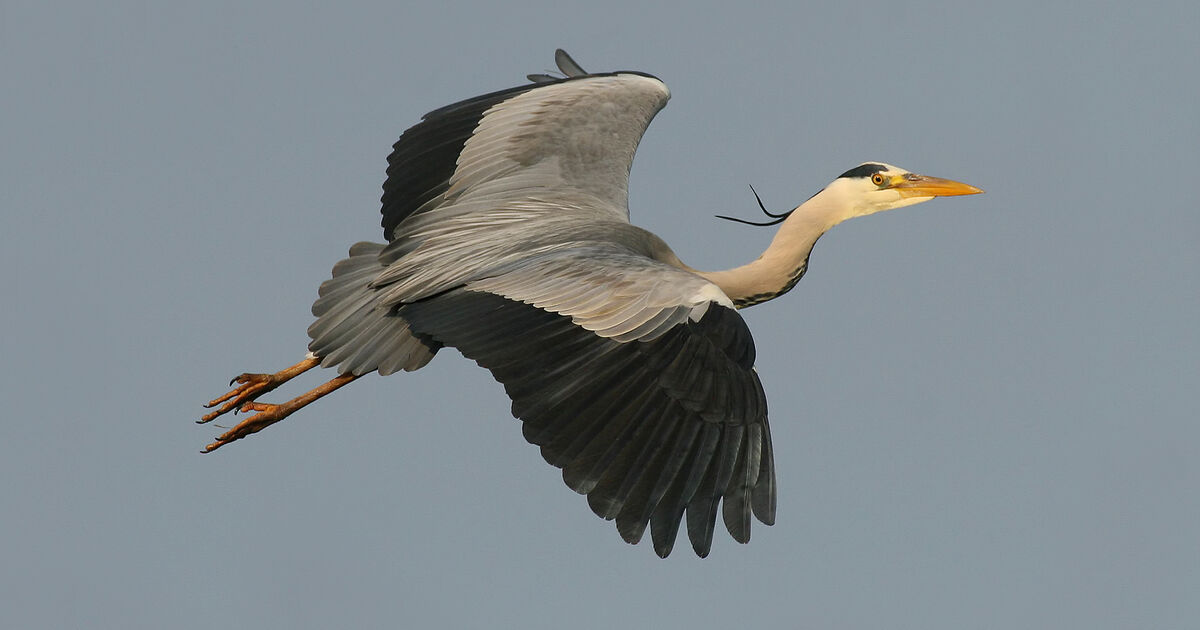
251,387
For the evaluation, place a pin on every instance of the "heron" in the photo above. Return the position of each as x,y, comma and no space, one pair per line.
508,238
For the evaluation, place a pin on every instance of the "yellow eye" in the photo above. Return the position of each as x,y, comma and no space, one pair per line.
878,179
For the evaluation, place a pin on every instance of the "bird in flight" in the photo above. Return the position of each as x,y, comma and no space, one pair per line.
508,239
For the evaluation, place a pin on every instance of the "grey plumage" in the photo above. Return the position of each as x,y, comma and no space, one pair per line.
633,374
508,238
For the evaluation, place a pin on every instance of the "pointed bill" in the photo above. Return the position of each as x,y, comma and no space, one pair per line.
913,185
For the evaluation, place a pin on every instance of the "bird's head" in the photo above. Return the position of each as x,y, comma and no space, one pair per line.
865,189
874,187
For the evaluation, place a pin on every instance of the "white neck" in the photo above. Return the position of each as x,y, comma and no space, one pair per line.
785,260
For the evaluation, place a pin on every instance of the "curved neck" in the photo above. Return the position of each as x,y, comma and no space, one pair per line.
785,260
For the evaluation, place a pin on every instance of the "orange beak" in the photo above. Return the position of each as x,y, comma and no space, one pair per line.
913,185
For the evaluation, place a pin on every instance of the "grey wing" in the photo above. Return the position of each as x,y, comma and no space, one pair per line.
479,186
649,430
568,142
496,179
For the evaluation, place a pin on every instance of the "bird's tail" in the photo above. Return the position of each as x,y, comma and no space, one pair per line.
354,330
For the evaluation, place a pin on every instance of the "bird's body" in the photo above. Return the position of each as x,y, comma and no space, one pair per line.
509,239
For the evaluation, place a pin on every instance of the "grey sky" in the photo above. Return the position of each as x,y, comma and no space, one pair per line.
983,408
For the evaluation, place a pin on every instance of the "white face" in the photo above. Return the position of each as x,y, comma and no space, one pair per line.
874,187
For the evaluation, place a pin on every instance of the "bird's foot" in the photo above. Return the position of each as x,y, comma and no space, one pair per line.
250,387
267,415
243,398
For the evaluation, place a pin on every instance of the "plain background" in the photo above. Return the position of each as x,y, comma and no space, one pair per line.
983,408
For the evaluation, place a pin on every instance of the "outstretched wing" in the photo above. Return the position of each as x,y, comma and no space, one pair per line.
568,140
649,430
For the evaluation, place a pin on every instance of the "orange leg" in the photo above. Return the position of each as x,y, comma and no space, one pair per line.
252,386
269,414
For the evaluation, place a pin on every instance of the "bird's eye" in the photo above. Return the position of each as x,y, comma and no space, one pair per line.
877,179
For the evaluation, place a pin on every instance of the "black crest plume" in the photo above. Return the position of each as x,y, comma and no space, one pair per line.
778,218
